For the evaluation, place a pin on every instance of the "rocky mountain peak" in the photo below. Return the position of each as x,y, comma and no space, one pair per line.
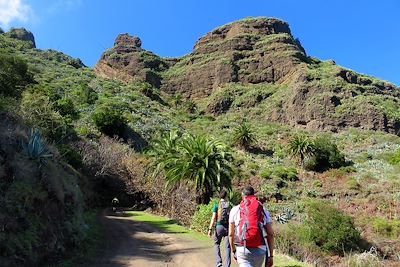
128,40
21,34
248,26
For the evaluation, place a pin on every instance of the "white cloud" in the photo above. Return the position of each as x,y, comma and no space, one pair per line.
14,10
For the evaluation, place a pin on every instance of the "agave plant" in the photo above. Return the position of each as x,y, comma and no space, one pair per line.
285,217
35,148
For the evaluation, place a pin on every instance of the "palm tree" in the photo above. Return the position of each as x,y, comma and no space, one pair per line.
162,148
244,136
206,163
301,146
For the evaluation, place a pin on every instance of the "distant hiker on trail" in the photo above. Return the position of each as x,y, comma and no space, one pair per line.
114,203
246,238
220,217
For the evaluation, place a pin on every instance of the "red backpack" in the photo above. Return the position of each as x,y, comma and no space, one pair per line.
249,232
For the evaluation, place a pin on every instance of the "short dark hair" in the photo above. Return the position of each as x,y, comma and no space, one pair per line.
222,194
248,191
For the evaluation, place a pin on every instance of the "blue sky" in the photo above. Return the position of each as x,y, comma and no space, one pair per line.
360,35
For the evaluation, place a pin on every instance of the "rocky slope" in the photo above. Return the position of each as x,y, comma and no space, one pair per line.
260,52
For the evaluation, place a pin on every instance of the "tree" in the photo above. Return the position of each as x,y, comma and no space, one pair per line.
244,136
301,146
196,159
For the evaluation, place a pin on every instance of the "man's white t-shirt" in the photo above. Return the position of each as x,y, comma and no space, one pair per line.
234,217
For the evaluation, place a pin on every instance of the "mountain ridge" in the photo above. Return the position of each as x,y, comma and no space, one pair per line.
257,51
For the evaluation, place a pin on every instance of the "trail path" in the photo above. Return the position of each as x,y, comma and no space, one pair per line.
132,243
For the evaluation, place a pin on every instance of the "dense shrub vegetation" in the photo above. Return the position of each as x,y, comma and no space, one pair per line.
325,230
109,121
201,218
329,229
101,128
14,74
326,155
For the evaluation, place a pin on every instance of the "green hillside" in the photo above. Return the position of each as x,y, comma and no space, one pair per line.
319,141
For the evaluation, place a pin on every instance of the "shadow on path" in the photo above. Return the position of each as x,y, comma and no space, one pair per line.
132,243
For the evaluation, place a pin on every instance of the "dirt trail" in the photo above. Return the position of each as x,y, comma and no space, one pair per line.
132,243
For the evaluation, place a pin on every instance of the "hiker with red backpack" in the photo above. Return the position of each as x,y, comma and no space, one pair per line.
220,218
246,223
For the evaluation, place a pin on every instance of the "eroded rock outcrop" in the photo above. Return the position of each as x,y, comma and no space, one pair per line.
127,61
23,35
309,93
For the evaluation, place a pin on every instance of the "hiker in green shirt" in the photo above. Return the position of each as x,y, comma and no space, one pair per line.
219,219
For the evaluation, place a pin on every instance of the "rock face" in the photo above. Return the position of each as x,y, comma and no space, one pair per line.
23,35
127,61
257,52
248,51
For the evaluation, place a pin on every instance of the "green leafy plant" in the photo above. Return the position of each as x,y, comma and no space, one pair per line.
71,156
109,121
201,218
191,106
206,163
66,108
301,146
14,75
244,136
235,197
388,228
279,171
395,158
353,184
329,229
325,155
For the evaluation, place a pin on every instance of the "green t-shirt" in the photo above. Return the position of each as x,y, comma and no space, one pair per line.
215,209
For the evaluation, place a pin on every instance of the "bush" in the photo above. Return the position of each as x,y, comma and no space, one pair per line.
329,229
201,218
353,184
288,241
109,121
365,259
282,172
317,183
387,228
395,158
14,75
326,156
71,156
38,111
66,108
266,173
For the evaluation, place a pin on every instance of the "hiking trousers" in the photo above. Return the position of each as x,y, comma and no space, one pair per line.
221,232
250,257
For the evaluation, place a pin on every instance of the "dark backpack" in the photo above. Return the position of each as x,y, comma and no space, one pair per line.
223,213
